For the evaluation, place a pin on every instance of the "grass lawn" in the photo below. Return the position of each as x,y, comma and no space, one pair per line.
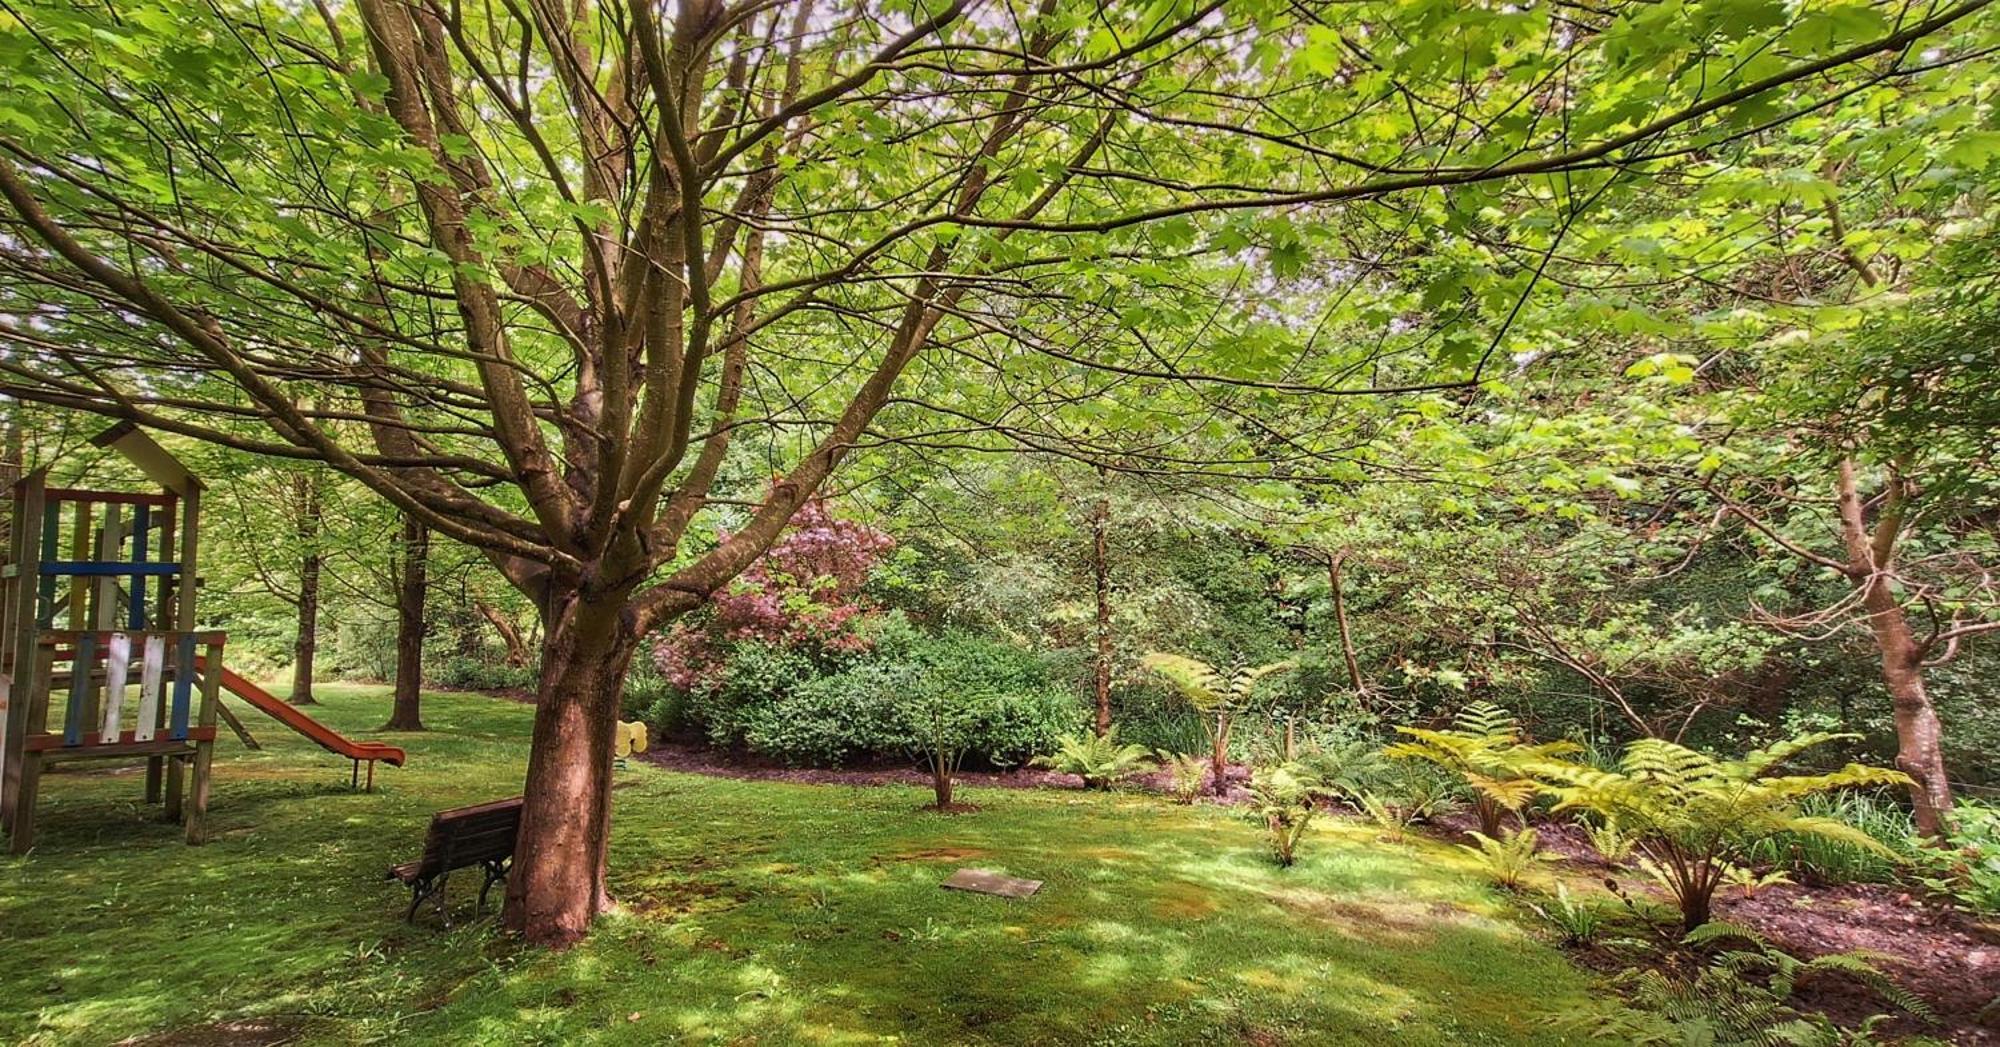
755,912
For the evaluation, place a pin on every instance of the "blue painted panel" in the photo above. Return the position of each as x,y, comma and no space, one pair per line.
96,568
142,521
183,689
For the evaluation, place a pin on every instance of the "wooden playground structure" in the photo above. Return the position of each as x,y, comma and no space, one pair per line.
84,601
97,594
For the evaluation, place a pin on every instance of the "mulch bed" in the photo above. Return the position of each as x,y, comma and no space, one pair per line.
1937,952
1940,954
723,763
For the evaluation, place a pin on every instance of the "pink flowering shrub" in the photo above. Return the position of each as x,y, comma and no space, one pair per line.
804,593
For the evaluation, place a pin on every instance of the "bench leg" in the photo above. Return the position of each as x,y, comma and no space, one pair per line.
444,911
496,872
418,891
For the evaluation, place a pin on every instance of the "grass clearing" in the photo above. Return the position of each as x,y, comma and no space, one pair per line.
757,912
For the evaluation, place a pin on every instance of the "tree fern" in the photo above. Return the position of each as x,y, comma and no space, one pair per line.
1216,696
1693,816
1484,747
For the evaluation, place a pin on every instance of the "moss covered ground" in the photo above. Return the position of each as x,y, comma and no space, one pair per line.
753,912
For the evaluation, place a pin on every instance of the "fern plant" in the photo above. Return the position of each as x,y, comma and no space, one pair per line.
1186,773
1740,997
1484,747
1749,881
1508,858
1406,796
1098,760
1217,696
1578,922
1347,769
1611,843
1283,800
1692,815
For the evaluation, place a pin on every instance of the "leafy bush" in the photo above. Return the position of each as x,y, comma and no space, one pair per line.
1283,801
1219,698
1741,997
1692,816
1509,858
757,677
1098,760
1401,800
1348,767
480,674
784,703
1610,842
1967,870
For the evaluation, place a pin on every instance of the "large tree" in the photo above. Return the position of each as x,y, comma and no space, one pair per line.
531,270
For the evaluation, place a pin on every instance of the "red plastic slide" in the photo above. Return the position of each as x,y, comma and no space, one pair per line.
288,714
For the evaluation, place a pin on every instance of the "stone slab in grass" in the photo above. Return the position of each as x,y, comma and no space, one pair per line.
986,881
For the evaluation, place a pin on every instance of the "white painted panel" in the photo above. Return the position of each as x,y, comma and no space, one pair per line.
117,672
150,671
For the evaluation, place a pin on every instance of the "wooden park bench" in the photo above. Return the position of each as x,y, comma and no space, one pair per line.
481,835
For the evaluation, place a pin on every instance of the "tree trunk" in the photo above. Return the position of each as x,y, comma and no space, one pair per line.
1919,735
941,782
306,647
510,633
557,884
1334,564
412,585
1100,570
1218,756
1871,562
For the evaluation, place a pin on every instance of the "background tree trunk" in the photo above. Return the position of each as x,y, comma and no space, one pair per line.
1100,572
411,588
1919,735
510,633
1334,564
306,647
1218,756
1871,554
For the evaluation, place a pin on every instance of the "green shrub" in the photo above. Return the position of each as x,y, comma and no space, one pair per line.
1577,922
1187,772
757,675
1968,869
783,704
1283,800
467,673
1611,843
1741,996
1692,815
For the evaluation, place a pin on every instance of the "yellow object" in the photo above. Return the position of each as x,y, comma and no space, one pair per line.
631,739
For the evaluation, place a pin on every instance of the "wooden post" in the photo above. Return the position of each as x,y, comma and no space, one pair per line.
176,784
21,826
19,653
163,620
204,749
